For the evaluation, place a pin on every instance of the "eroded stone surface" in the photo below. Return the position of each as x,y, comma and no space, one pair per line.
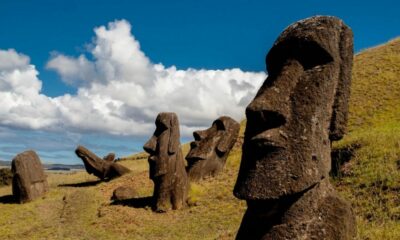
29,181
167,167
211,147
5,176
101,168
124,193
299,110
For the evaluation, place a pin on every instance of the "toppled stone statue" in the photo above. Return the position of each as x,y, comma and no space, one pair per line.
29,181
167,167
299,110
102,168
211,147
109,157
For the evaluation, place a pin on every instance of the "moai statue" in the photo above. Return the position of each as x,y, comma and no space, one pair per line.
299,110
29,181
102,168
167,167
211,147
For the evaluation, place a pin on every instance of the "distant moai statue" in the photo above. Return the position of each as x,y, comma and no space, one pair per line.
104,168
211,147
167,167
299,110
29,181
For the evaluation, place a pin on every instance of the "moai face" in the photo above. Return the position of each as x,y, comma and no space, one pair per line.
300,108
214,142
213,145
163,144
29,180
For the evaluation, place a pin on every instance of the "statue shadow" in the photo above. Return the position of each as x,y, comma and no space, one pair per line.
8,199
141,202
82,184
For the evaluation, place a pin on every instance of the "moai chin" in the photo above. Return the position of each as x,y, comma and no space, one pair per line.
299,110
211,147
167,167
29,181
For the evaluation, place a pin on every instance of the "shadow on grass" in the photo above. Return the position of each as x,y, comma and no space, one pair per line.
7,199
82,184
143,202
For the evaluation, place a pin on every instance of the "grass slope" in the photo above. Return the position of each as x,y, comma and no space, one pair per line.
79,207
372,183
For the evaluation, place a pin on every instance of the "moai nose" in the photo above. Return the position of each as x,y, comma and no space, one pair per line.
150,146
199,135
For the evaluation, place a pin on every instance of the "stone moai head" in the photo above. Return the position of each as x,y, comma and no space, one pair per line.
164,144
211,147
300,108
29,180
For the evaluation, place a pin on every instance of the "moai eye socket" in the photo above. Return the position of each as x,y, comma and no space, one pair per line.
308,53
160,128
220,125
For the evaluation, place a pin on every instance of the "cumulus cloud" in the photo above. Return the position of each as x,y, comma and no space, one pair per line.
119,90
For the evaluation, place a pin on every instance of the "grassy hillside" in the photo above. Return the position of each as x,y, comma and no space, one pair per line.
79,207
372,178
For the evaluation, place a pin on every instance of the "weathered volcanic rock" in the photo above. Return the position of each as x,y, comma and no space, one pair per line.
109,157
211,147
5,176
167,167
101,168
29,181
124,193
299,110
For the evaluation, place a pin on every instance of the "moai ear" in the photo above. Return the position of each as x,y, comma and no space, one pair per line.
173,143
230,135
225,143
341,104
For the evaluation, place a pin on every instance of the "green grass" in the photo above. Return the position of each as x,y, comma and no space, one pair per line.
372,184
373,187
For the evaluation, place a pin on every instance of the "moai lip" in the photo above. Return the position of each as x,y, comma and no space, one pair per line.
167,167
211,147
299,110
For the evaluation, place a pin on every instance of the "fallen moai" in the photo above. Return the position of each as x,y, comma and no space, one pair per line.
167,167
211,147
102,168
29,181
299,110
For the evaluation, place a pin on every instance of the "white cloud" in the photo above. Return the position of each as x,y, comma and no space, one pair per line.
120,91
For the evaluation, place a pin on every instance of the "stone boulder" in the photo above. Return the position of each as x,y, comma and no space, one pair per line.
124,193
5,176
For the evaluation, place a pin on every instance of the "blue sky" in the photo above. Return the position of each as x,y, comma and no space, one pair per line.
178,35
